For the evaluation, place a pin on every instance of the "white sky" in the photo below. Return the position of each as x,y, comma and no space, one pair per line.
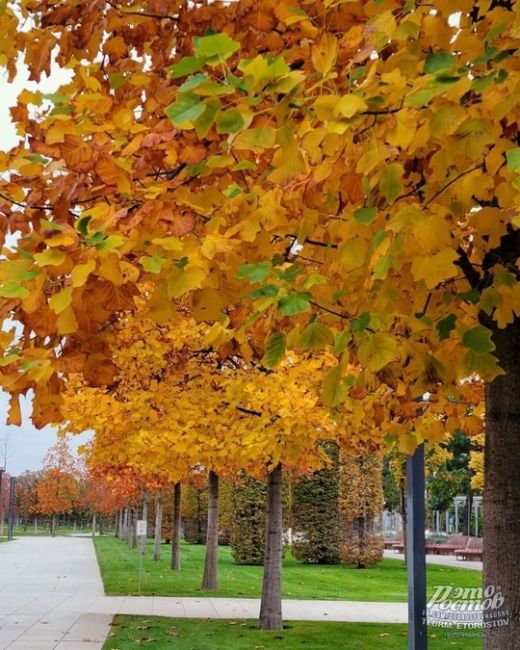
27,446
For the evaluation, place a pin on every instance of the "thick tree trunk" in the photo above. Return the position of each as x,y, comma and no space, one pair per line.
158,527
142,541
210,578
117,530
176,541
502,489
133,531
271,605
93,524
53,526
404,518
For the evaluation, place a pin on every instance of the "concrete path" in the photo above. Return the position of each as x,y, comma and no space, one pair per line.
47,589
446,560
51,598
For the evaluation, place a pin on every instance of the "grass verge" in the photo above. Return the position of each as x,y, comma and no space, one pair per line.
385,582
188,634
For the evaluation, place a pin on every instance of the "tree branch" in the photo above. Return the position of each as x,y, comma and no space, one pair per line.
143,14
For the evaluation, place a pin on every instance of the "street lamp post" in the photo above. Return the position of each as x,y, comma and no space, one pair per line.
416,551
10,524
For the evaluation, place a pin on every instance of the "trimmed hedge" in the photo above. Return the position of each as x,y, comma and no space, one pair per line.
195,513
315,515
245,523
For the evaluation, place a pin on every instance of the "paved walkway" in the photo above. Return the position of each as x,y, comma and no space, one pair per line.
47,589
51,598
446,560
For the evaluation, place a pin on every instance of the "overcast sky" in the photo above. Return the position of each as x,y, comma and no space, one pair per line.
26,445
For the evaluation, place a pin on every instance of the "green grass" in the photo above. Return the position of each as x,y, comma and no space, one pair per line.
188,634
385,582
44,531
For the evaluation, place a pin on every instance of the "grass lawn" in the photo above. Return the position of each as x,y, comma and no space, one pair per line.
44,531
189,634
385,582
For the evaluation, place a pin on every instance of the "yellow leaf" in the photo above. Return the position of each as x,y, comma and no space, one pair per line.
50,257
324,53
123,118
433,269
168,243
377,351
66,321
81,272
349,105
60,301
15,414
61,239
185,281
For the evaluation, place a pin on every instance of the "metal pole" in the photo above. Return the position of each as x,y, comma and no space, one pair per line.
456,515
416,551
10,525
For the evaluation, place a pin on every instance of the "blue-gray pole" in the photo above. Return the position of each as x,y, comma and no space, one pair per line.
10,524
416,551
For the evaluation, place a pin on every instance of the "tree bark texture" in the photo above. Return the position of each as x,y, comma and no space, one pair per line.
502,488
210,578
158,527
271,604
176,541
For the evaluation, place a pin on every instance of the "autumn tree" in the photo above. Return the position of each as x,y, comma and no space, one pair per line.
360,504
58,488
357,162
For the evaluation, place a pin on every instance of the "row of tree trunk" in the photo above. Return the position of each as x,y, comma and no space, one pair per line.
271,604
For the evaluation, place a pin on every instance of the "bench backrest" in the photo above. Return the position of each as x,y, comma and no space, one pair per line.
474,544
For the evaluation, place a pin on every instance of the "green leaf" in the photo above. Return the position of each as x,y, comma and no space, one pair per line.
256,138
485,364
244,165
472,296
478,339
116,80
152,264
438,62
297,303
315,336
341,341
383,266
390,183
186,108
229,121
365,215
13,290
332,389
215,46
274,350
254,272
513,159
361,322
269,290
192,82
445,326
186,66
82,225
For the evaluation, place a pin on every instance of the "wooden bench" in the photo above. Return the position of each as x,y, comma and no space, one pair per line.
453,544
389,543
474,550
